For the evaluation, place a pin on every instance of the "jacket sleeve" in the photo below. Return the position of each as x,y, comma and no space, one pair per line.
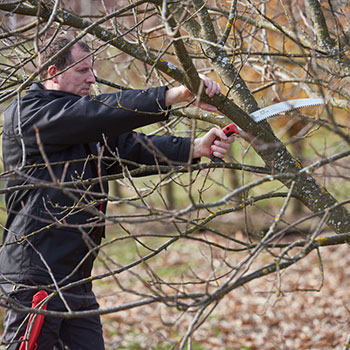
149,150
70,119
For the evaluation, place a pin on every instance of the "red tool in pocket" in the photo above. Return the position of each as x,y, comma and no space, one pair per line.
228,130
35,323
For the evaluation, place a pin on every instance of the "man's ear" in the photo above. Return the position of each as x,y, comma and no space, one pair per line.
52,72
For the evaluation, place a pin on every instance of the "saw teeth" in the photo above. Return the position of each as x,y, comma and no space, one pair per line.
290,110
263,117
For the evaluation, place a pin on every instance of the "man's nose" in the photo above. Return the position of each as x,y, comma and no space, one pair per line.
91,78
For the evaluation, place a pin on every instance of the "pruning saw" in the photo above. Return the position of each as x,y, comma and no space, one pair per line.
268,112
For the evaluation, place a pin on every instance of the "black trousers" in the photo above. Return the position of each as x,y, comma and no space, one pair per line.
74,333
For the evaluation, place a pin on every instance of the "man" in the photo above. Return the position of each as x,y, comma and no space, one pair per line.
51,231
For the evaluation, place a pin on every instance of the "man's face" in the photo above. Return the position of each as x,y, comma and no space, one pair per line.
77,79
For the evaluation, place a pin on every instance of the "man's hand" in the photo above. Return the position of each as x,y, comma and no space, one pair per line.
203,145
182,94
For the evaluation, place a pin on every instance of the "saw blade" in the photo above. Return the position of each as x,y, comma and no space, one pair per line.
283,107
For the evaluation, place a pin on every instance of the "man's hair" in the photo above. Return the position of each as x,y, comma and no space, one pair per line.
64,59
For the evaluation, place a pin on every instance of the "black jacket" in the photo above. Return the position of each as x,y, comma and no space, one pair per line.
42,239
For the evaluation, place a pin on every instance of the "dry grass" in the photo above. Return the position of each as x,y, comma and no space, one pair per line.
251,317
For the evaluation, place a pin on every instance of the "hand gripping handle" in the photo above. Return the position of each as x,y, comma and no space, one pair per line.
228,130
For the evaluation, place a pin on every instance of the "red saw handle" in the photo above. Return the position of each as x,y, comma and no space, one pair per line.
228,130
34,328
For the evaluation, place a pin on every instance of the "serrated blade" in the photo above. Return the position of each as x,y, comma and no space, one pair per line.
283,107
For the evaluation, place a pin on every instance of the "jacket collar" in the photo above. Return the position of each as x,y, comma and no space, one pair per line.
39,88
